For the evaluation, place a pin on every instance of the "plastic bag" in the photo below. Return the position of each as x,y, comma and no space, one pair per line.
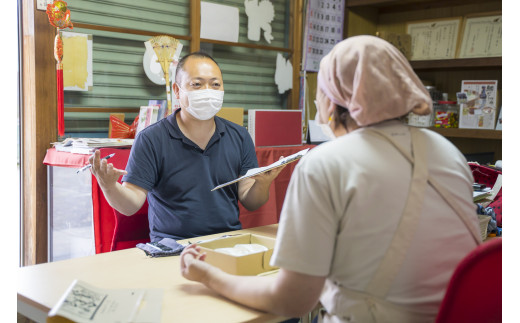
121,130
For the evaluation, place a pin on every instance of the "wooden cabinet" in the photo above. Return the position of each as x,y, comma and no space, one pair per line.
367,17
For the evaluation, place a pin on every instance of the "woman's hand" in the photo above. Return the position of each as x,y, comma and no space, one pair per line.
193,266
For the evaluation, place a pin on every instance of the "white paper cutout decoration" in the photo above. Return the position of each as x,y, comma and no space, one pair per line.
283,74
259,16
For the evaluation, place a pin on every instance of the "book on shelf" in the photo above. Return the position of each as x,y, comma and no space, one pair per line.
83,302
147,115
162,105
275,127
478,104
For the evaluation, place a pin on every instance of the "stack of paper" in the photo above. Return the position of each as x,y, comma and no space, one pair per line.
481,196
89,145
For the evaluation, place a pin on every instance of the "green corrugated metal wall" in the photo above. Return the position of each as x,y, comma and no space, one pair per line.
118,75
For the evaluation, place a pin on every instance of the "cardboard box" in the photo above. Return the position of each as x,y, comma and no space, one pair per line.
235,115
248,265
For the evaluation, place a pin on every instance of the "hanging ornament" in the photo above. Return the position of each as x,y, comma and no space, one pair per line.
167,49
59,17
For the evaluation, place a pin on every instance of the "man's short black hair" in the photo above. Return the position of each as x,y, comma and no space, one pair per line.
182,61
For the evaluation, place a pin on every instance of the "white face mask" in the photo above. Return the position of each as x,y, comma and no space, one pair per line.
325,128
204,104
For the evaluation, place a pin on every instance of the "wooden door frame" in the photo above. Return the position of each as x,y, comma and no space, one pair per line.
39,127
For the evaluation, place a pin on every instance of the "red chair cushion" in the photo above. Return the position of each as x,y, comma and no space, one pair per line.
474,293
131,230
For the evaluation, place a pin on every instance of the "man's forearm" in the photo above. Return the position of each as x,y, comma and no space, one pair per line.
124,199
256,196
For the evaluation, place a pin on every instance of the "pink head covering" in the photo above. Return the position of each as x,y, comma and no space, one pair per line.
373,80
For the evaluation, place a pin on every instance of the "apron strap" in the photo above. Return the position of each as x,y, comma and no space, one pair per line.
403,236
448,198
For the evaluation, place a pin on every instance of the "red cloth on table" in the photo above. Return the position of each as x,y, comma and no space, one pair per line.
488,176
64,159
102,212
113,231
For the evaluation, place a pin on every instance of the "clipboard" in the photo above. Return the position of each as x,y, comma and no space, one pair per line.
256,171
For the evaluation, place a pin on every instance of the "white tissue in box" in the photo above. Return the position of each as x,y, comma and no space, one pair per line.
242,249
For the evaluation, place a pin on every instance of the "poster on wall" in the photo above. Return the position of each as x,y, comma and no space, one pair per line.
478,109
77,61
323,29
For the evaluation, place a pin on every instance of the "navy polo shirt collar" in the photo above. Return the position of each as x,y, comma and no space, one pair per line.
175,131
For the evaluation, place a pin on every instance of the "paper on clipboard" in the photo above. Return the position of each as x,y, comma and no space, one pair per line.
255,171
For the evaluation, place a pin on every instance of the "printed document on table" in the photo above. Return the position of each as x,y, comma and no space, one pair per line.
255,171
85,303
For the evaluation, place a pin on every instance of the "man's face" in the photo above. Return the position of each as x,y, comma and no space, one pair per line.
199,74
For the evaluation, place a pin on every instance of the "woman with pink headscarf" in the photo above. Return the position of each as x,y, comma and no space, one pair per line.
375,221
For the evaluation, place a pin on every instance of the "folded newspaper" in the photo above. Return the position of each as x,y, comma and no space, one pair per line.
255,171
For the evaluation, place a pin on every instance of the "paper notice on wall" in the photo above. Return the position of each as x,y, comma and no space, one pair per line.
435,39
219,22
482,37
77,61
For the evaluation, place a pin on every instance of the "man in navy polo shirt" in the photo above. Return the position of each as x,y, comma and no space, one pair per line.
177,161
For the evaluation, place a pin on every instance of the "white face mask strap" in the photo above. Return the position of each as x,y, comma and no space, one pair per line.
185,92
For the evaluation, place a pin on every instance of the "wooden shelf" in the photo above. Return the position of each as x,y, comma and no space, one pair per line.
468,133
457,63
